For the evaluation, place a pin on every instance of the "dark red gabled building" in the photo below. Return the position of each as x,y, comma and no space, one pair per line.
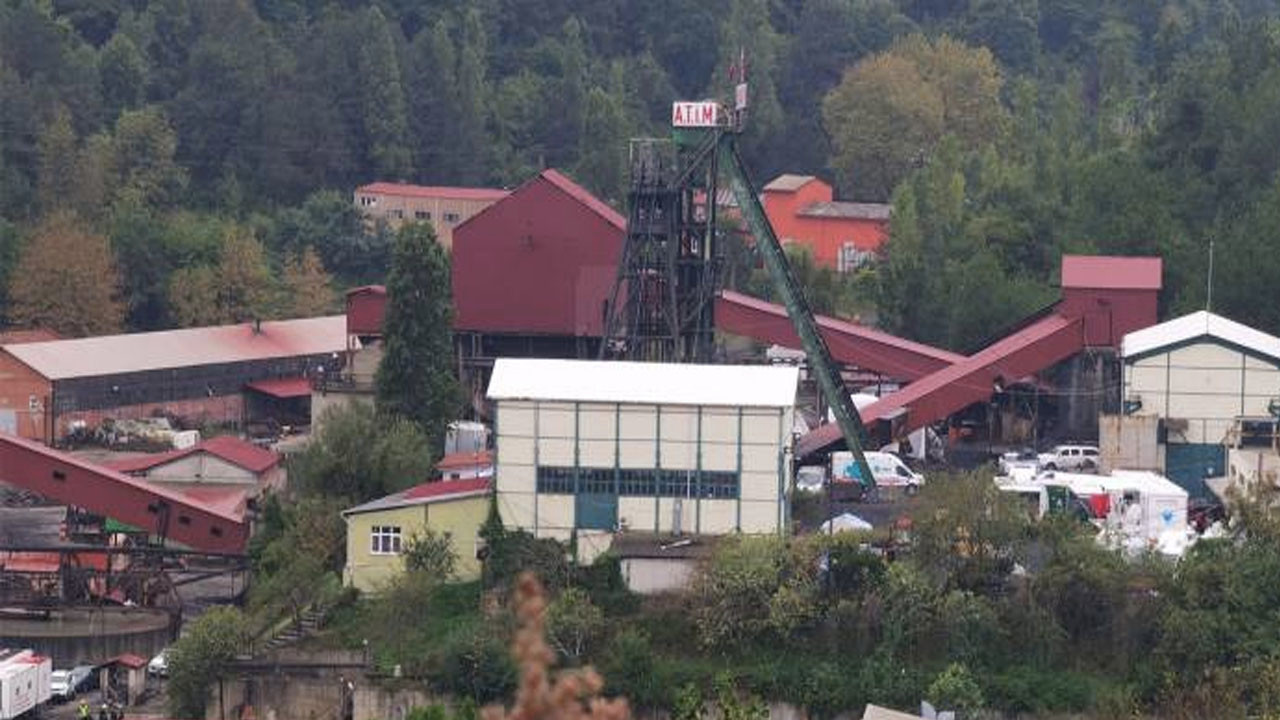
532,274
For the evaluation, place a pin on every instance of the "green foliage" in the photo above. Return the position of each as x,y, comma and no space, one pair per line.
967,534
415,378
755,590
630,670
574,624
956,689
358,455
199,659
430,553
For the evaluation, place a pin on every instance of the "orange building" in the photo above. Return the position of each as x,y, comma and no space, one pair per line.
841,235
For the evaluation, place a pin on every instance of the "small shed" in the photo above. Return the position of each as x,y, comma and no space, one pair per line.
123,678
653,564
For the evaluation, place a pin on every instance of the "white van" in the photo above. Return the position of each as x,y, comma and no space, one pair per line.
887,469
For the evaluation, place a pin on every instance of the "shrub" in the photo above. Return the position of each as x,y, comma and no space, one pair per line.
574,624
431,553
955,689
631,670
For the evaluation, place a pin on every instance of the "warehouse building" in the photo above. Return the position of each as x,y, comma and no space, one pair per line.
532,274
602,447
1198,375
198,374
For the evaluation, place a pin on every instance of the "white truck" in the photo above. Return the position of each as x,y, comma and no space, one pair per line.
25,682
887,470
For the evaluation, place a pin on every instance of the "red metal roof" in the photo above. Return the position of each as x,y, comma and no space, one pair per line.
136,352
238,452
17,337
427,191
128,660
934,397
29,562
282,387
579,193
455,461
446,488
436,491
849,342
232,500
1103,272
67,479
788,183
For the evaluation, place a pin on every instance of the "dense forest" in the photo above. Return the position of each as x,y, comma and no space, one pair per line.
220,139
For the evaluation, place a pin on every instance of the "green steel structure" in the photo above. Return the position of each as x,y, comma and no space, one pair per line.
668,277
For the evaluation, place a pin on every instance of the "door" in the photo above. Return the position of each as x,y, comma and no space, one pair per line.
1188,464
9,422
595,511
595,504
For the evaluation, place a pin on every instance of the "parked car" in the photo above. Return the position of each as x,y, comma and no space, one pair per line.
1019,461
60,687
811,478
84,678
1082,458
159,665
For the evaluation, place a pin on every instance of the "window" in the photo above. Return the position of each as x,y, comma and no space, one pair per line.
367,201
451,217
399,214
421,215
638,482
385,540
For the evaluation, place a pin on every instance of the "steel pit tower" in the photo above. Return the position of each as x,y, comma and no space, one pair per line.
663,301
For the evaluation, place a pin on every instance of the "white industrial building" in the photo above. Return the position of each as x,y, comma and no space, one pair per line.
1199,374
599,447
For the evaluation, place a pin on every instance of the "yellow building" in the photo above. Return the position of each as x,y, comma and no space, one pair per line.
377,531
597,448
444,207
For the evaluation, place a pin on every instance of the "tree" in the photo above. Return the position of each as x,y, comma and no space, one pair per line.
955,689
66,281
331,224
307,287
200,658
359,456
892,108
415,379
57,147
574,624
386,123
236,290
432,554
123,70
145,144
883,119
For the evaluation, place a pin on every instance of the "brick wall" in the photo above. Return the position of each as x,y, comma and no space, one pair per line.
220,409
18,385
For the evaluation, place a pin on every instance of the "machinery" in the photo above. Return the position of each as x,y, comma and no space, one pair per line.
664,296
25,682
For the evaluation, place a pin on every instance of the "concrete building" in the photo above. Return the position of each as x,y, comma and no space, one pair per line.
603,447
841,235
378,530
196,373
444,207
1198,374
219,461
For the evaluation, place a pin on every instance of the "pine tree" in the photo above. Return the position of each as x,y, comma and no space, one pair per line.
415,379
307,287
67,281
386,121
244,281
435,119
56,178
470,136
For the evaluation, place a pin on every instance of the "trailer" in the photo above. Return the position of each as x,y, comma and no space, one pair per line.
26,682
